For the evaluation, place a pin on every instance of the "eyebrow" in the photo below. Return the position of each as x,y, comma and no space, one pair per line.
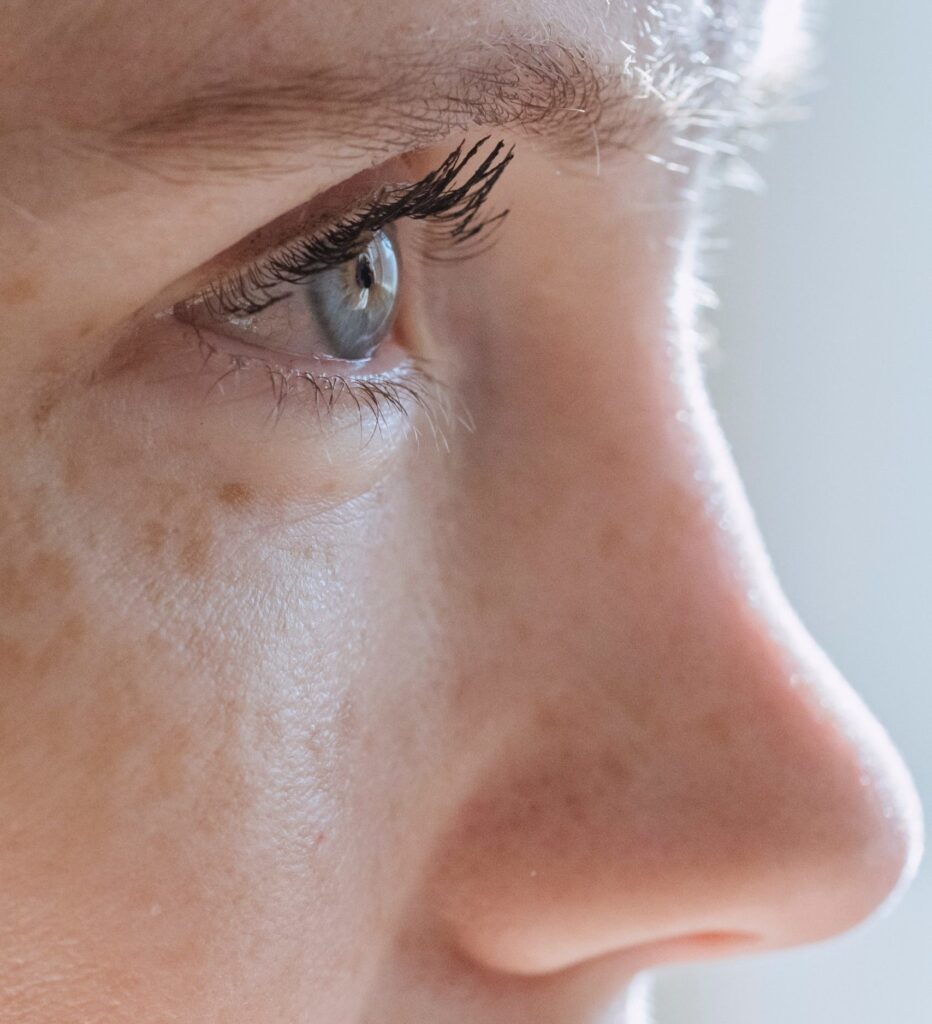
583,107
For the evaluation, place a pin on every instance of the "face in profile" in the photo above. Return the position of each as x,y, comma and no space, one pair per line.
384,634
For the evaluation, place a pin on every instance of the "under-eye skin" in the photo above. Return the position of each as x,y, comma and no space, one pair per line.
323,309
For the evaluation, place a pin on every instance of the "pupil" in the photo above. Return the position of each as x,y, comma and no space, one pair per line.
365,275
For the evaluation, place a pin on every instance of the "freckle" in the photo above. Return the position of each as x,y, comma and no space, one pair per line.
20,289
611,453
32,524
12,659
573,806
51,366
73,472
547,718
715,728
60,649
44,407
52,573
154,535
236,495
87,328
13,593
27,585
615,766
195,553
74,630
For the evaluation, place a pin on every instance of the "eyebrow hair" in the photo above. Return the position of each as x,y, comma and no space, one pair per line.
583,107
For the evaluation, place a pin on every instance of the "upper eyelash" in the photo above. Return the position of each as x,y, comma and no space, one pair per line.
435,197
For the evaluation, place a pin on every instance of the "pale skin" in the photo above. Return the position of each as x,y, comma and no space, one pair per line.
462,711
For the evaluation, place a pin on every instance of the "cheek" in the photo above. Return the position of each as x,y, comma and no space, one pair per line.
193,674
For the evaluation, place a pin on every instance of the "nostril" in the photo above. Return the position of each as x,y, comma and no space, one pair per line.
694,946
626,962
711,941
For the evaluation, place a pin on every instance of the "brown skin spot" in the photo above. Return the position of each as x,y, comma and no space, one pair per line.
714,727
194,556
547,718
60,649
32,524
236,495
154,535
73,472
18,290
12,660
26,586
51,366
44,407
52,573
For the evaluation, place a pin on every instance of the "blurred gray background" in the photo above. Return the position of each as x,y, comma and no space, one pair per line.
824,387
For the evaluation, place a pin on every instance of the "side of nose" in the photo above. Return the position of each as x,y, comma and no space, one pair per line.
681,772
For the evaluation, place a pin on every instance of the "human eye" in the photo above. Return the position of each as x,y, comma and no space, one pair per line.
325,310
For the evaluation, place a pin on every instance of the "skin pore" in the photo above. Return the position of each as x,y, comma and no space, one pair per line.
467,703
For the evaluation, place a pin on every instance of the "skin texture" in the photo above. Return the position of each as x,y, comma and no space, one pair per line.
469,714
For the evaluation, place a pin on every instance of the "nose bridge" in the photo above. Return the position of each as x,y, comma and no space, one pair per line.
683,761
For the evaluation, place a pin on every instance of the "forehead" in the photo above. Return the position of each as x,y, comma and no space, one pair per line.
82,61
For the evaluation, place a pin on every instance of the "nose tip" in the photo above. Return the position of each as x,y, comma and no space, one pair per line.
766,810
871,824
852,849
848,809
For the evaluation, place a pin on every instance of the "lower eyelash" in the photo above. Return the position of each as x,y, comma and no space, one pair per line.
411,387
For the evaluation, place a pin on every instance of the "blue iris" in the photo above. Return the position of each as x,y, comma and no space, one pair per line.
354,303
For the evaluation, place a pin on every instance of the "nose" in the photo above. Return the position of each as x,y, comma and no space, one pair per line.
676,771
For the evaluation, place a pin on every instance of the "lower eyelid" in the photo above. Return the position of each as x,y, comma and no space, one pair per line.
392,386
189,368
301,442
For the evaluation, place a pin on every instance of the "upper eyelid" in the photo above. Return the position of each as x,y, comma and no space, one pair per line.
454,192
326,206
